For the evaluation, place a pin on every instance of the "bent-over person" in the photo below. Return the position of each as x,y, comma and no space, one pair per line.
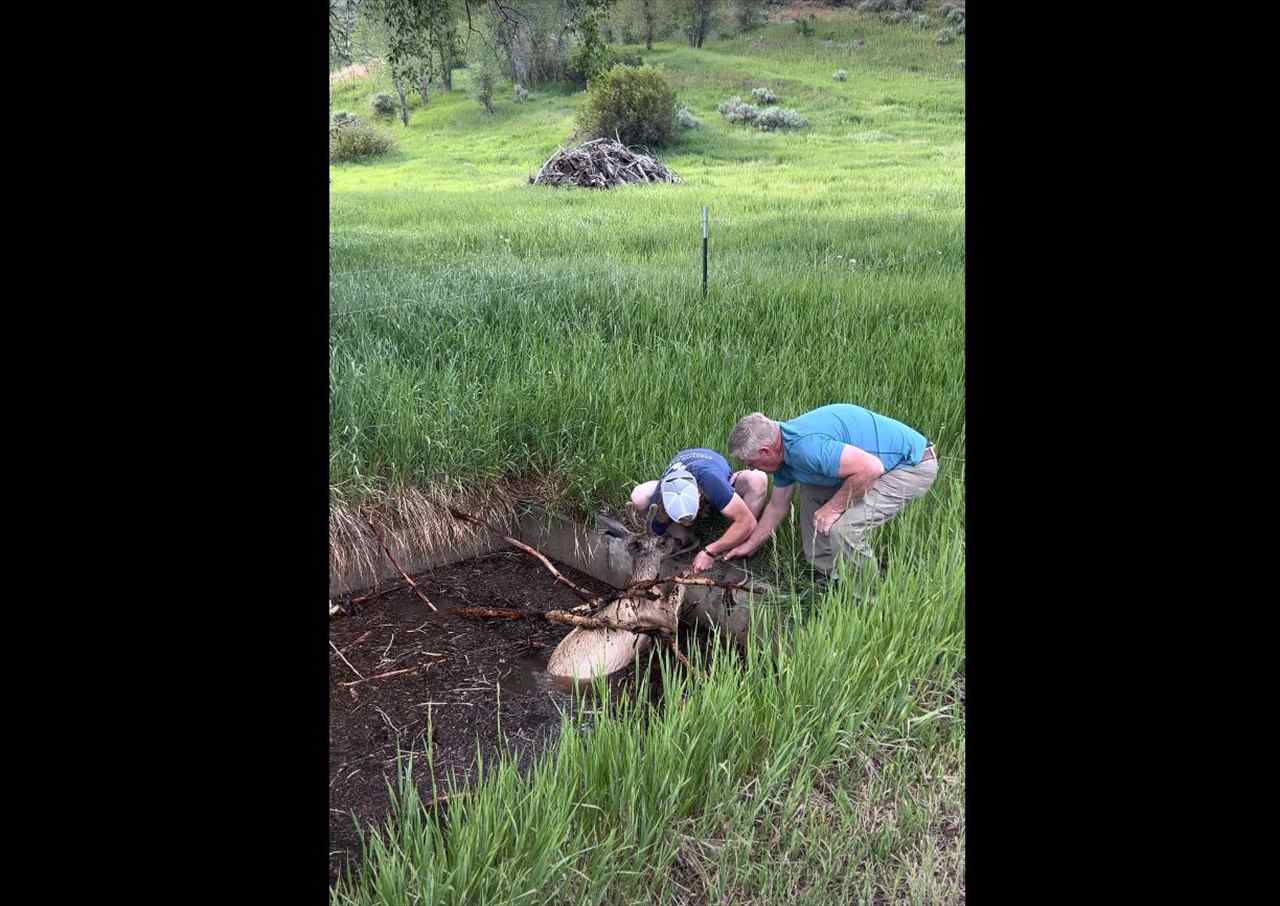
694,481
852,468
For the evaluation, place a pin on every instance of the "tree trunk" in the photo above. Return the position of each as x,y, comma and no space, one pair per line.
404,104
446,68
423,81
351,29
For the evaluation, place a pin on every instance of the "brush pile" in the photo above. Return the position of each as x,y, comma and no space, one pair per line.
600,164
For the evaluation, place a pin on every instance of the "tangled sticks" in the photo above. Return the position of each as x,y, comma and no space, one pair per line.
609,630
600,164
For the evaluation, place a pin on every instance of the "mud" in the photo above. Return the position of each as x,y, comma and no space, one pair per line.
476,682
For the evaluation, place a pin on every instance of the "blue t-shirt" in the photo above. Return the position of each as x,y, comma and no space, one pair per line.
812,443
709,469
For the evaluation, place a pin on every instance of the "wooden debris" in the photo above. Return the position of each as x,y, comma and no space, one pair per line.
404,575
533,552
490,613
601,164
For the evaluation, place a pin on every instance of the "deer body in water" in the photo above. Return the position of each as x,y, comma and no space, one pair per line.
586,653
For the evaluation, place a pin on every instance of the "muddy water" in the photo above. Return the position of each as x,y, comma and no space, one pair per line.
403,677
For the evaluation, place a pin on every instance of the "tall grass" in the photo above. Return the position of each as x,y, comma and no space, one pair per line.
735,738
482,328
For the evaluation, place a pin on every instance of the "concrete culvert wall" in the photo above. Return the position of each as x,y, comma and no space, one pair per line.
591,550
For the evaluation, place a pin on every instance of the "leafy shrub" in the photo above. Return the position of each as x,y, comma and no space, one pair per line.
895,17
763,96
841,76
806,26
521,93
343,118
959,29
915,6
735,110
875,6
780,118
357,141
920,21
635,103
383,105
686,119
946,36
955,15
961,65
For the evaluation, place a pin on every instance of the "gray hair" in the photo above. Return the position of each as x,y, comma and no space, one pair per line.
751,433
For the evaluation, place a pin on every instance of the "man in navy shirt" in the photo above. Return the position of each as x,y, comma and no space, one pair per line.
855,470
695,479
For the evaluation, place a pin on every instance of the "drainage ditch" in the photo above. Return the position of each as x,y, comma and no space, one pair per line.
396,668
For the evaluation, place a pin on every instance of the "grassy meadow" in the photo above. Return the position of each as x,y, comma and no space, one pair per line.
483,330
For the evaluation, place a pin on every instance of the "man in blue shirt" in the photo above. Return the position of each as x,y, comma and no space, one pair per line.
854,469
693,480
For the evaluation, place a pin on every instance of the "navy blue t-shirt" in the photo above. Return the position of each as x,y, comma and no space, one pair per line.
709,469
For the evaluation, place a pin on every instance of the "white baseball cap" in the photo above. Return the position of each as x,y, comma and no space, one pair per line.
680,496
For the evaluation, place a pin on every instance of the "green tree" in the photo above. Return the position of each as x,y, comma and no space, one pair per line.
422,41
749,14
649,18
696,18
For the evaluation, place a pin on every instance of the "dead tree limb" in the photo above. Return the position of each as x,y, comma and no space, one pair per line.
493,613
369,679
374,595
580,592
403,574
581,622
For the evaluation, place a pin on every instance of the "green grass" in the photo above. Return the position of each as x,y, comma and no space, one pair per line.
708,791
483,328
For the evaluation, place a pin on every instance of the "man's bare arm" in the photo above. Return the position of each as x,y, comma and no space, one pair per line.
744,523
860,470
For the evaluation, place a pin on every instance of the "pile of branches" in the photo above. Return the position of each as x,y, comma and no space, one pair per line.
600,164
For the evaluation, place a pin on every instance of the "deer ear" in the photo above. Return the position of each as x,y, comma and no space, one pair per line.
608,526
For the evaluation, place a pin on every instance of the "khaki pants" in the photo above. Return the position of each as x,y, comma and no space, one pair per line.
847,539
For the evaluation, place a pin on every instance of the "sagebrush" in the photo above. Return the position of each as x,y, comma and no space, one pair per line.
383,105
352,141
685,119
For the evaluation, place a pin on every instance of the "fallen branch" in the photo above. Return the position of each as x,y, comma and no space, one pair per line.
404,574
493,613
646,587
369,679
580,592
347,662
572,619
376,594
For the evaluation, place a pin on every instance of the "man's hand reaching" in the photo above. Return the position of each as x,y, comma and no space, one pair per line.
703,561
